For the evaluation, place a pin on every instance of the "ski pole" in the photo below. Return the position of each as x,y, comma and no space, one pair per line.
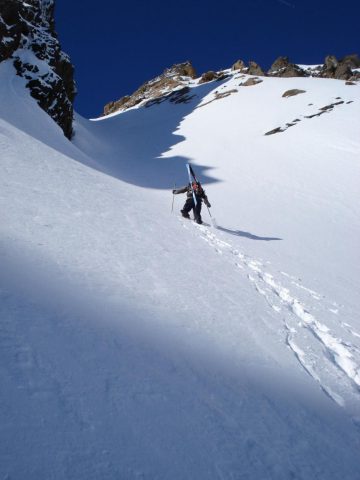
213,220
172,206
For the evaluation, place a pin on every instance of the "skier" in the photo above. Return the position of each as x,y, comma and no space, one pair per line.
191,190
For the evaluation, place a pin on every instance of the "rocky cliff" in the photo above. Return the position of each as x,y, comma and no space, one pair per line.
28,38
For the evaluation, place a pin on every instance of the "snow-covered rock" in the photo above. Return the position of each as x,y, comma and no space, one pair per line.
171,79
182,75
29,40
283,68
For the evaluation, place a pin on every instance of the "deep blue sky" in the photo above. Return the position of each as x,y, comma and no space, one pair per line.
118,45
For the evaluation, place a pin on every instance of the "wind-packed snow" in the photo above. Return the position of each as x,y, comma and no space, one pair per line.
137,344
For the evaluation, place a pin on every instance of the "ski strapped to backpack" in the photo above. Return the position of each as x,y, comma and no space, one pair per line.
191,173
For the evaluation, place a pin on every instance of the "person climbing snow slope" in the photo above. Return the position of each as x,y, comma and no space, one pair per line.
192,190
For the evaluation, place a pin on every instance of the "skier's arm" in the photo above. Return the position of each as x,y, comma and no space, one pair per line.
179,190
206,201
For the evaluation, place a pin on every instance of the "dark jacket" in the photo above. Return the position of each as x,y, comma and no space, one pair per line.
199,193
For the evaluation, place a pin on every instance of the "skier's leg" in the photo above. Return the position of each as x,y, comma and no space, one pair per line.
187,207
197,212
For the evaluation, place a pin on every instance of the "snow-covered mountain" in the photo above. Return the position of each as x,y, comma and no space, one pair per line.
176,79
137,344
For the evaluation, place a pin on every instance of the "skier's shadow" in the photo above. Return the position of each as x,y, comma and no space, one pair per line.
248,235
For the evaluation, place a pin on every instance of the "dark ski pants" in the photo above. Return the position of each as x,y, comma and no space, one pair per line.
190,204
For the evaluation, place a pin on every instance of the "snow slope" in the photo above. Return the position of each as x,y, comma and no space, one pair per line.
135,344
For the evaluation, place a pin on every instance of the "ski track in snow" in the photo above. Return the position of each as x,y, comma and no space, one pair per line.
332,362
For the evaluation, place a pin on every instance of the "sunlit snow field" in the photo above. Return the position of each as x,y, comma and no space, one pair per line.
137,344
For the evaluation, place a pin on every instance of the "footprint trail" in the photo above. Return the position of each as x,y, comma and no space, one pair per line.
329,352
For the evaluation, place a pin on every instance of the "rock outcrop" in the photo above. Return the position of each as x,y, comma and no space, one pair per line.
239,65
174,77
29,39
250,82
352,60
208,77
283,68
293,92
255,69
174,83
332,68
339,69
252,68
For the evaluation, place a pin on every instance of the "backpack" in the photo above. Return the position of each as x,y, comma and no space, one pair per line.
199,191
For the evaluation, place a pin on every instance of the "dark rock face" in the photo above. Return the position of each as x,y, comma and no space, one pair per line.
352,60
172,78
275,130
208,77
292,92
239,65
339,69
330,63
250,82
252,68
255,69
181,70
283,68
28,37
279,64
343,72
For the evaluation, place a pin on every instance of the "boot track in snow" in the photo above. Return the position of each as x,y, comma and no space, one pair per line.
338,372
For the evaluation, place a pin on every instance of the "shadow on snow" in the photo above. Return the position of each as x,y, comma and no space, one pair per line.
132,145
248,235
95,382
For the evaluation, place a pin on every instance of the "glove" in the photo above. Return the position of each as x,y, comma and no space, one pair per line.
174,191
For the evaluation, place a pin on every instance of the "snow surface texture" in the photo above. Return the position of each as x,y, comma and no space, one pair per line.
136,344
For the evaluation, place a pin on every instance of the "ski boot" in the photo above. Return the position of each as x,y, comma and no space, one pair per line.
185,214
